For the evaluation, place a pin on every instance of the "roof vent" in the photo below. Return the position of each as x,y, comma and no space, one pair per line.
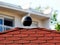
27,20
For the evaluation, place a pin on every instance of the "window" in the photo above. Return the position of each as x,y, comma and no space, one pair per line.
1,21
1,28
6,23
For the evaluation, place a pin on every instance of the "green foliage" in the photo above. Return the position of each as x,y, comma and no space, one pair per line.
57,27
54,17
38,8
55,22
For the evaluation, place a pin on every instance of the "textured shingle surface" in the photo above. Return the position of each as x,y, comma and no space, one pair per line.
37,36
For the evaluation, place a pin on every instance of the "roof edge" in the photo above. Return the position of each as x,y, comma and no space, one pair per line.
17,28
18,8
4,4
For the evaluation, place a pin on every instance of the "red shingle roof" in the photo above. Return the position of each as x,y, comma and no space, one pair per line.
35,36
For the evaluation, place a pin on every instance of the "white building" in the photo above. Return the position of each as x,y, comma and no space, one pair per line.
11,15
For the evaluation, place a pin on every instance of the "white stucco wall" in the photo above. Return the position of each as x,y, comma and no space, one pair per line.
17,18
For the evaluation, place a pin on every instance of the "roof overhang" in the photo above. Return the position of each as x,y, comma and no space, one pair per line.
18,9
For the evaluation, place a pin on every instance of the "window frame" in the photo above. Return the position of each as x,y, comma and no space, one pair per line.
9,19
3,26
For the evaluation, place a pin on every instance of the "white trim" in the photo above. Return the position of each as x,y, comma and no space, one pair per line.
18,8
3,4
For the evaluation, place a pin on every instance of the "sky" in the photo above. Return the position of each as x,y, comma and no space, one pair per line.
55,4
34,3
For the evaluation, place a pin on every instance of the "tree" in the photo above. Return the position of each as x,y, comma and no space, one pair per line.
54,21
54,17
57,26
